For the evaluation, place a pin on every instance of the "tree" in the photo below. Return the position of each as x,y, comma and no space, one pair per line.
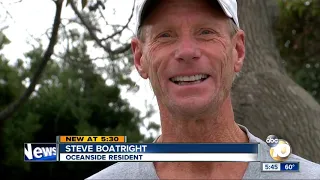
8,111
265,98
71,98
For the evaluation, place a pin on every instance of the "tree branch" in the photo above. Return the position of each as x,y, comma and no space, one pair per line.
89,28
122,49
8,112
125,26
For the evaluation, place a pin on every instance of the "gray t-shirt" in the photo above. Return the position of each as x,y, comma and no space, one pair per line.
146,170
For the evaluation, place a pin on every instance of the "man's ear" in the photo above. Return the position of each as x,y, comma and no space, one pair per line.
136,47
240,49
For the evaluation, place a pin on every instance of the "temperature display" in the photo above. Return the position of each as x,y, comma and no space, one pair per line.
289,166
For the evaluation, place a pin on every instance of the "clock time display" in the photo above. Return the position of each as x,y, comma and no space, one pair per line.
270,166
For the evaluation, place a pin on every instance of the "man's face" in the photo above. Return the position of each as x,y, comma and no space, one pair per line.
189,56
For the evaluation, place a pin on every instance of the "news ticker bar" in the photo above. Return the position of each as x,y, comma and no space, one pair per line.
91,139
146,152
280,166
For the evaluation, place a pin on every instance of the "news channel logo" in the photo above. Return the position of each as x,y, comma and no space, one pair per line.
280,149
34,152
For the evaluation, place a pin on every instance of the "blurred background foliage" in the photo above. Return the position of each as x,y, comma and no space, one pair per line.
298,38
73,97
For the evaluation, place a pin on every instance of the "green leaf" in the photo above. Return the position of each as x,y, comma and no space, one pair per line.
153,126
84,3
68,2
3,40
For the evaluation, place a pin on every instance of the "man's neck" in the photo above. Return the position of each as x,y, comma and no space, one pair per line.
219,127
214,129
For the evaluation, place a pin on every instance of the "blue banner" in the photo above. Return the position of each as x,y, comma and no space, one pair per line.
158,148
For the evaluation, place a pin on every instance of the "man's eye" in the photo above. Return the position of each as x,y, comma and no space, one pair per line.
164,35
206,32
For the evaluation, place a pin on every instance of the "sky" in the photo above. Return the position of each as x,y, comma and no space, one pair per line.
25,20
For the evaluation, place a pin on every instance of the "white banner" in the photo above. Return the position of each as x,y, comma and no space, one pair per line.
146,157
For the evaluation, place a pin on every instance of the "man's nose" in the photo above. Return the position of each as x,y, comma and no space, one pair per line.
187,50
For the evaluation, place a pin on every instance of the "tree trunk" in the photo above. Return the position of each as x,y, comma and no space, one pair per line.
265,99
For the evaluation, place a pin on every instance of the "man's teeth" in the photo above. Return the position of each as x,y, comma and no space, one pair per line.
189,78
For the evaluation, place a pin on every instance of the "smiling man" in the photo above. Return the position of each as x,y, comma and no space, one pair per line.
191,51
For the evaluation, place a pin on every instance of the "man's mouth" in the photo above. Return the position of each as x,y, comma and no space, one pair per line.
188,80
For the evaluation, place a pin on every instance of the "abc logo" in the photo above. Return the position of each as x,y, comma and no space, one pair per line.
280,149
272,140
